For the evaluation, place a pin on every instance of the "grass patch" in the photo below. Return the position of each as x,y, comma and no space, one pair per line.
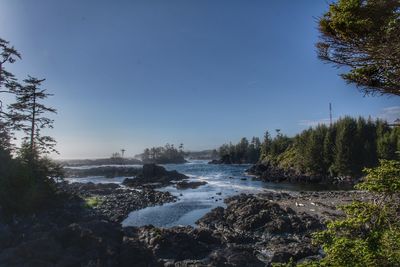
91,202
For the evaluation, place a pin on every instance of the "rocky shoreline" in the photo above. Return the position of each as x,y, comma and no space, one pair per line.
114,202
253,230
267,172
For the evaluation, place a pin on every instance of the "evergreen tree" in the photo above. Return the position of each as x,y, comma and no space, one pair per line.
329,149
266,145
346,156
314,151
363,37
31,111
164,155
8,84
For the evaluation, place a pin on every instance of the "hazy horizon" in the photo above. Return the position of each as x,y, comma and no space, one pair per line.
137,74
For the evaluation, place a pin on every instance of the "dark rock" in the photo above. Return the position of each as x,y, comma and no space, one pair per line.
6,236
191,185
250,231
134,253
248,221
115,202
178,243
154,176
224,160
236,256
268,172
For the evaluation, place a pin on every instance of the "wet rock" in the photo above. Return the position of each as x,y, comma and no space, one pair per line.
189,185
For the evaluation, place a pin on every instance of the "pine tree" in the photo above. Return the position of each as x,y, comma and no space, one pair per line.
31,111
346,157
8,84
329,149
266,145
363,37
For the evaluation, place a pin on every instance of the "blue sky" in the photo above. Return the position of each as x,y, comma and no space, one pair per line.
135,74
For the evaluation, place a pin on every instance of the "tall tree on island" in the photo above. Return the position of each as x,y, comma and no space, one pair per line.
363,36
31,111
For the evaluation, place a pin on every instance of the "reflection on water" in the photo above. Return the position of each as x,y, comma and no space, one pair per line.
222,181
171,214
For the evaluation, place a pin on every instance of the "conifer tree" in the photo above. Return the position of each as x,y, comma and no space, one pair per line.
363,36
32,112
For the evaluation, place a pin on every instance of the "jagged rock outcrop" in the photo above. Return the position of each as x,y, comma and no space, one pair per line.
153,175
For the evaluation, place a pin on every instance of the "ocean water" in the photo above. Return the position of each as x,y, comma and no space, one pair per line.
222,181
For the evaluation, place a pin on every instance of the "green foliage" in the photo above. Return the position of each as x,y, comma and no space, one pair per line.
91,202
26,181
26,188
342,149
8,83
291,263
362,35
31,115
384,180
164,155
243,152
346,148
370,233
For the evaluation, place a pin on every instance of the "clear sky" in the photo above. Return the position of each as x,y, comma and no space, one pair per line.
133,74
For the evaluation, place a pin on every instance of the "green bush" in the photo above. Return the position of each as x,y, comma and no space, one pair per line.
25,188
370,233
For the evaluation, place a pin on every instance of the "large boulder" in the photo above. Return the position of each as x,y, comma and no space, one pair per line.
154,176
260,228
189,185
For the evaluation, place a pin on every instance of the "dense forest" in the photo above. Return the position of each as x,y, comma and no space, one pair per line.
344,148
164,155
240,153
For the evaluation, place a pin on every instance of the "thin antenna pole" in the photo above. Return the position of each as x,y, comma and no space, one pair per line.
330,114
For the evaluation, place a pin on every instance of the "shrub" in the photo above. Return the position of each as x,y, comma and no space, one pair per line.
370,233
25,188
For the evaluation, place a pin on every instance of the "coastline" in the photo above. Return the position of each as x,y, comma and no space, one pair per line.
253,230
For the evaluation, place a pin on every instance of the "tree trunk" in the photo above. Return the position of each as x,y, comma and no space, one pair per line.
33,124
